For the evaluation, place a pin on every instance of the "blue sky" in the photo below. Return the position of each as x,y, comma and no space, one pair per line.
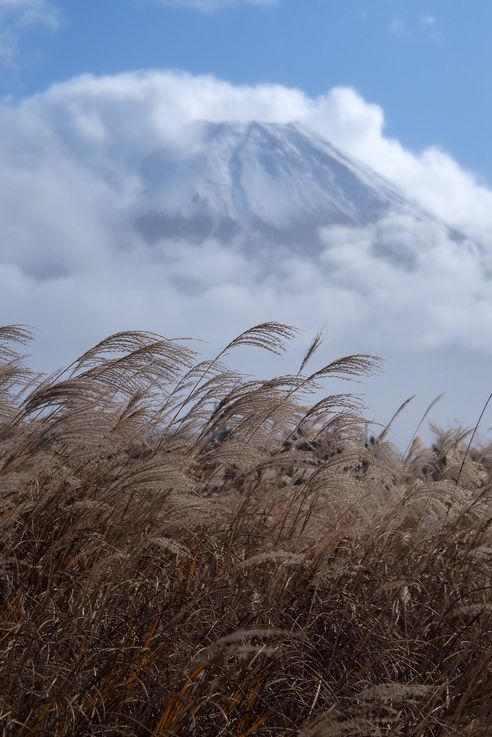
426,62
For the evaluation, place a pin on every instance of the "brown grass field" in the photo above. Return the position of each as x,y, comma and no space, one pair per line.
185,551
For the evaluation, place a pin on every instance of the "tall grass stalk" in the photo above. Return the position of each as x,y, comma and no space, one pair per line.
184,552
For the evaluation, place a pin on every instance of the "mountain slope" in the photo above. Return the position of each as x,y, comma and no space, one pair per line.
278,182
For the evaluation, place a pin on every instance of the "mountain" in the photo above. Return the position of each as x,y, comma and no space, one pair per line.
259,182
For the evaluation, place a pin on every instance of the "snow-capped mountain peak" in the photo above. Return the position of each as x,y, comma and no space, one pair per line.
276,181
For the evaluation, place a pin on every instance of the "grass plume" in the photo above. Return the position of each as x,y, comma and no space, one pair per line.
184,552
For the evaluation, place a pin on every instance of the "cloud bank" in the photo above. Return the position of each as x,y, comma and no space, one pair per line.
70,164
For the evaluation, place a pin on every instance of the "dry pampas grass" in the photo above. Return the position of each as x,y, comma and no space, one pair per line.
187,552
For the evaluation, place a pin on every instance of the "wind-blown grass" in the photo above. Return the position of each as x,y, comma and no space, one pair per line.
187,552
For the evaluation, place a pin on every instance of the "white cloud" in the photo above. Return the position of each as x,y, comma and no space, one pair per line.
412,27
429,21
69,264
431,27
208,6
18,15
398,27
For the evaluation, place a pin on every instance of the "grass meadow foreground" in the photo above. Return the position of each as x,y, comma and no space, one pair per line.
184,551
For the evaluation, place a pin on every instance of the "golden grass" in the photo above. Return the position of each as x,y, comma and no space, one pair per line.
186,552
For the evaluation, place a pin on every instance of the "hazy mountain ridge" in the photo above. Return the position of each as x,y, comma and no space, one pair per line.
254,181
